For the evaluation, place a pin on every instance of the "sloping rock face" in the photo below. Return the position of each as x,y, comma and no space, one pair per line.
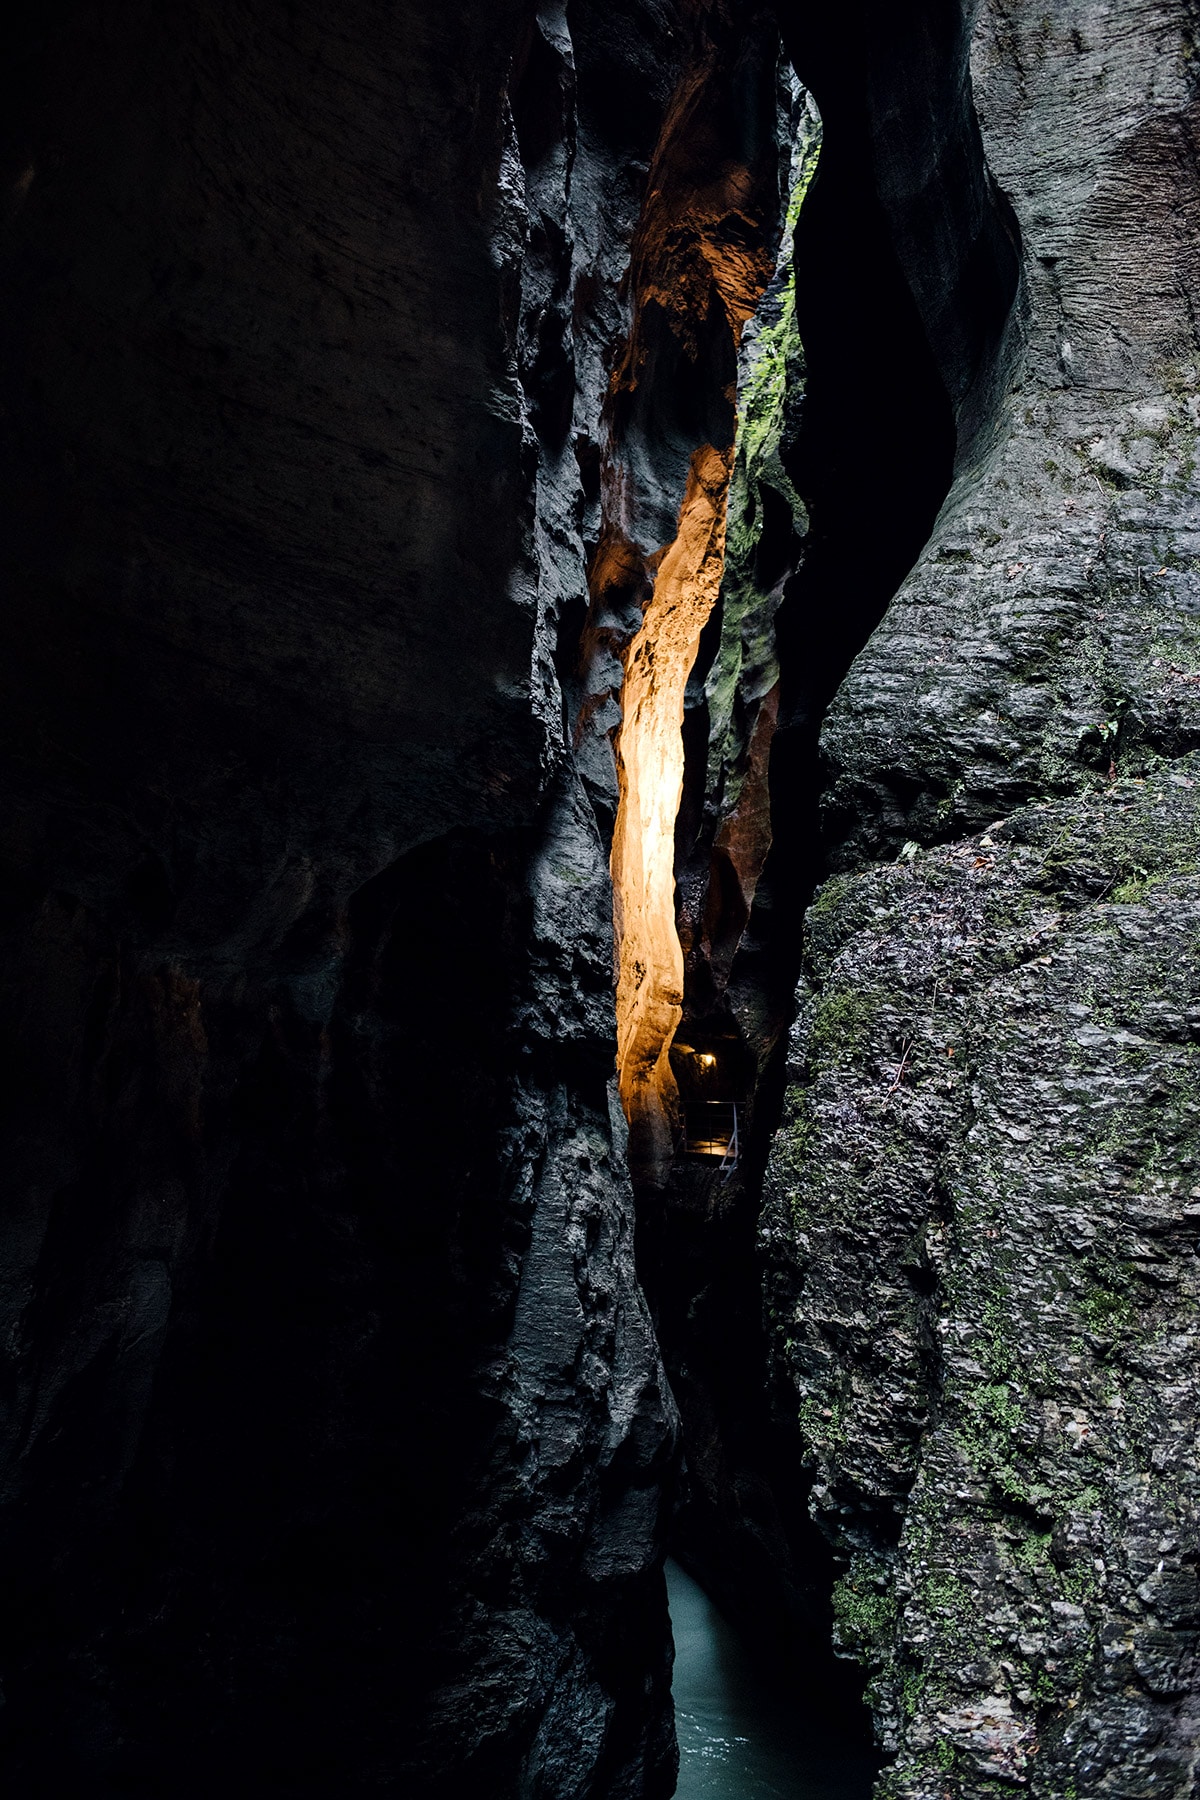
981,1219
336,1432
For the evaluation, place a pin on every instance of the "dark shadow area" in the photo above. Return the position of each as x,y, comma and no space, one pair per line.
278,1594
743,1528
908,269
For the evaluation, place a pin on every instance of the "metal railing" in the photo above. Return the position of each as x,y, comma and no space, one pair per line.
711,1129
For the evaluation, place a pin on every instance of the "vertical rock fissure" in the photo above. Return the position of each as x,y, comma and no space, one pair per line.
650,760
703,253
880,417
735,689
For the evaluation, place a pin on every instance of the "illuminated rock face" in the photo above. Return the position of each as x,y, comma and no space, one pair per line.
688,875
650,770
703,252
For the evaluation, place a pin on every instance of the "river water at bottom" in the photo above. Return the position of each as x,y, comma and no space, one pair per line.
737,1739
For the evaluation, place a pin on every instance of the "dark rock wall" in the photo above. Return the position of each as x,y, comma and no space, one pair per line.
336,1432
980,1220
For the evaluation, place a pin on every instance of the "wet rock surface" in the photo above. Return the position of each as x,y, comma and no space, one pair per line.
990,1317
847,438
980,1222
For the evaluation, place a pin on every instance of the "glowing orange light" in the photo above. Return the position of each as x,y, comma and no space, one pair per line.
650,771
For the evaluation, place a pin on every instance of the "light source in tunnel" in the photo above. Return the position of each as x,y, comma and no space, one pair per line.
711,1084
650,774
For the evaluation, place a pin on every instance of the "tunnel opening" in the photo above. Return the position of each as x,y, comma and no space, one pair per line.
713,1077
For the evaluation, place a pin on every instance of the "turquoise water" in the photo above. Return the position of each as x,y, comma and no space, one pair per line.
738,1740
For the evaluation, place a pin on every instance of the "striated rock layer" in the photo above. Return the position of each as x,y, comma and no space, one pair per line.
982,1213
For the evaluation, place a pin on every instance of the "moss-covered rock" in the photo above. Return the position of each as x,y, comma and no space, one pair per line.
982,1220
983,1204
767,521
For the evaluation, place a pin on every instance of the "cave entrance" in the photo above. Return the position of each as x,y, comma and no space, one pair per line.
713,1076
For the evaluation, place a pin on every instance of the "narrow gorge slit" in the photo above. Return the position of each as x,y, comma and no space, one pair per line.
650,763
715,584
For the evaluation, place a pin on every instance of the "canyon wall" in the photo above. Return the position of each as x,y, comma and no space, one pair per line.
981,1214
336,1443
369,380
